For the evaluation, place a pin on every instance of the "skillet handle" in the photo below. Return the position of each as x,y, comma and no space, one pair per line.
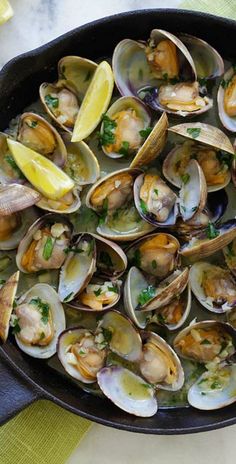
15,392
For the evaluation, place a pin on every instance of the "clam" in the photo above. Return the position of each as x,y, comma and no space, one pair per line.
44,245
78,267
81,164
162,73
226,100
37,133
112,198
69,203
7,298
174,314
77,71
155,254
193,193
9,171
38,320
154,200
111,259
128,391
160,366
206,342
98,296
209,146
213,286
16,215
156,297
209,241
81,354
215,388
122,337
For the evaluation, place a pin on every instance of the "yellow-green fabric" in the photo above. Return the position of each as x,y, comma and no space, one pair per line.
41,434
226,8
45,433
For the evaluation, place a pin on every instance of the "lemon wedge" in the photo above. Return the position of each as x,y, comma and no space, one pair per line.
6,11
44,175
95,102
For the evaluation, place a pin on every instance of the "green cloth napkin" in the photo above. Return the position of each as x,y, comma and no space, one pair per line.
226,8
41,434
45,433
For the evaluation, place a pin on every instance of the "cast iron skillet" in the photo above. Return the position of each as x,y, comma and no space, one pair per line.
24,379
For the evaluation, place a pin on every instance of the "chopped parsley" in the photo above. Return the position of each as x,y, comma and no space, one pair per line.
107,335
105,258
103,213
48,248
154,264
156,192
224,83
146,295
15,324
145,132
42,307
211,231
194,131
205,342
10,160
91,246
143,206
137,258
124,150
97,292
2,281
67,297
185,178
194,208
215,385
52,102
107,136
72,249
160,318
202,81
42,336
32,124
113,289
223,346
225,158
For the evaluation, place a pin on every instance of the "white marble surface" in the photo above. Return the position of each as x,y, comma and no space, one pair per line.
34,23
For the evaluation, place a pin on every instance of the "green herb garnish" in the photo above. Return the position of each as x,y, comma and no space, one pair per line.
124,150
32,124
194,208
185,178
113,289
107,334
137,258
156,192
103,213
72,249
42,307
224,83
48,248
15,324
146,295
10,160
211,231
42,336
105,258
225,158
2,281
67,297
160,318
202,81
194,131
215,385
143,206
145,132
205,342
52,102
154,264
91,245
97,292
107,136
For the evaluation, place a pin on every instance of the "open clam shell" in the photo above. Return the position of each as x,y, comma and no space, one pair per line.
81,164
160,198
112,198
193,193
98,296
77,71
124,338
128,391
206,342
78,268
160,365
215,389
42,222
209,241
16,197
229,122
135,283
208,62
7,296
24,220
48,295
164,315
76,366
200,280
68,204
111,259
155,254
38,134
167,289
138,118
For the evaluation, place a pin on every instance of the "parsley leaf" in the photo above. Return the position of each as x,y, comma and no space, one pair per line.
143,206
103,213
91,245
113,289
145,132
105,259
146,295
48,248
185,178
67,297
205,342
107,334
52,102
194,131
15,324
42,307
124,150
156,192
107,136
97,292
10,160
71,249
32,124
215,385
211,231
